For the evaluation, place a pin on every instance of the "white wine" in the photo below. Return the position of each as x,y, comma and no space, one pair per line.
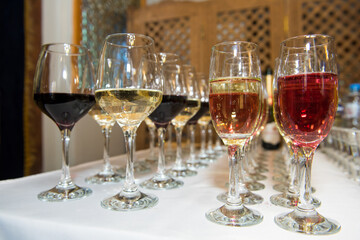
101,117
128,106
191,108
205,119
149,123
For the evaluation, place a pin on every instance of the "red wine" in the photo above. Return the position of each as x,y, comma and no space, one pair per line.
63,108
204,108
307,106
170,106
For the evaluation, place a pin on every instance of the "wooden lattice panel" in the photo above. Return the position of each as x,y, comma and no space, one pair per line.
341,19
250,24
171,35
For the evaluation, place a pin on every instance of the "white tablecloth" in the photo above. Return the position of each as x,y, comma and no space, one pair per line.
179,214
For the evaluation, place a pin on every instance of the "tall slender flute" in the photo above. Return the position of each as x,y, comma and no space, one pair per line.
234,101
306,95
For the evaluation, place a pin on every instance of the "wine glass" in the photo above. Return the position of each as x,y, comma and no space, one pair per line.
173,102
290,196
306,95
129,89
194,162
234,100
106,122
64,91
152,158
192,107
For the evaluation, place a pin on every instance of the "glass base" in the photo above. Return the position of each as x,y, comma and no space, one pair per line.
254,186
290,200
104,178
308,222
181,172
281,178
247,198
162,183
283,187
139,167
59,194
239,216
196,165
120,202
257,176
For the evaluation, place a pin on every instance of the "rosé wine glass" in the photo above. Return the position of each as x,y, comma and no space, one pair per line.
235,102
306,96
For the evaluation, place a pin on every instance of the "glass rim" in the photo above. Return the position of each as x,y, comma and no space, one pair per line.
46,46
255,46
308,36
151,41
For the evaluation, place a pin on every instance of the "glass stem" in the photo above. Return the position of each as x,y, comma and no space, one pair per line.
169,128
107,166
65,180
161,163
129,184
152,141
233,197
210,136
192,143
203,142
294,170
305,187
178,163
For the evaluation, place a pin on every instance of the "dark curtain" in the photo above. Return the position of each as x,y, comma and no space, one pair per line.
11,89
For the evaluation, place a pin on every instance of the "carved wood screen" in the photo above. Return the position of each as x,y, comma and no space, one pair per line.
338,18
191,28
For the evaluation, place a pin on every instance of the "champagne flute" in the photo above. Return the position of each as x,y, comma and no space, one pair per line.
234,100
305,93
129,89
192,107
290,196
106,122
64,91
173,102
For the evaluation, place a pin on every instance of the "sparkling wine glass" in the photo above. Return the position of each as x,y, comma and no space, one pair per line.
306,95
64,91
194,161
180,168
106,122
235,101
129,89
289,198
173,102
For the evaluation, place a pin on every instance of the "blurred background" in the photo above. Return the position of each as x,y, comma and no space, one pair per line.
30,142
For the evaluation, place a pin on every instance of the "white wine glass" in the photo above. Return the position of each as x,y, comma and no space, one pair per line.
129,89
64,90
106,122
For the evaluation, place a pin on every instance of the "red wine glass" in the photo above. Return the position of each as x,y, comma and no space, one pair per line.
306,95
234,101
129,89
180,169
173,102
64,91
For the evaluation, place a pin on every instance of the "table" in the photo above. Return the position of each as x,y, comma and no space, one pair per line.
180,213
